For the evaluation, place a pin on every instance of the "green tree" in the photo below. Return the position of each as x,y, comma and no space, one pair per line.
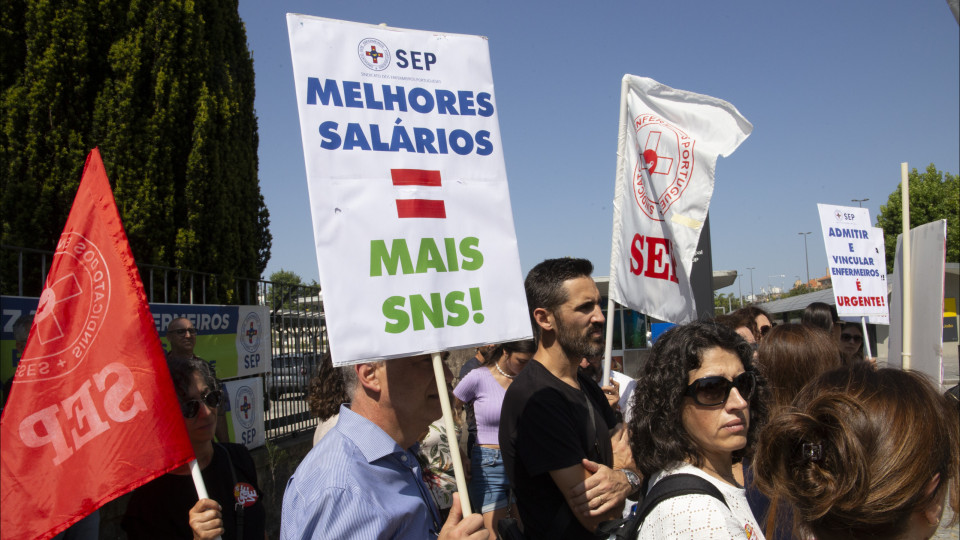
934,195
284,287
166,90
725,303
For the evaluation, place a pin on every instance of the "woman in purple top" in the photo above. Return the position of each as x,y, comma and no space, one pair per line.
485,387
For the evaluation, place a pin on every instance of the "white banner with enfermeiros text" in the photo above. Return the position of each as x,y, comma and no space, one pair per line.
668,146
408,190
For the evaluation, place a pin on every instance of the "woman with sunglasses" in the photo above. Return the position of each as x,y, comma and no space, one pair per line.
167,507
851,343
697,410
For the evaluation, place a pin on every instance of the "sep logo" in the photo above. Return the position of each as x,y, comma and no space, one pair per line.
250,330
843,217
374,54
244,404
71,310
664,165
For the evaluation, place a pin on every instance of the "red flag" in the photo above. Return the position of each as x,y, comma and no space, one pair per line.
92,413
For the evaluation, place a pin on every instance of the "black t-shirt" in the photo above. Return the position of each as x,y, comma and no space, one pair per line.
160,509
544,426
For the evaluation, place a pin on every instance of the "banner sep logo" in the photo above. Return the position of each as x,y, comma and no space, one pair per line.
84,290
664,166
374,54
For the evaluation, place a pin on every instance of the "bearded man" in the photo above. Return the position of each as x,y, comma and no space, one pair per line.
561,441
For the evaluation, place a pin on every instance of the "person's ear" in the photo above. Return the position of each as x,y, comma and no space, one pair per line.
369,376
933,510
544,319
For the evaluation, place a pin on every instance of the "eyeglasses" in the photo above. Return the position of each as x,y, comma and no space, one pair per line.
711,391
856,338
192,407
184,331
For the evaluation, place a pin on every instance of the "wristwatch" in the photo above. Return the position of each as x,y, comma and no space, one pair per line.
633,479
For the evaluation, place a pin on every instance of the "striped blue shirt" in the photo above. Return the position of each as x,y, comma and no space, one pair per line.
358,483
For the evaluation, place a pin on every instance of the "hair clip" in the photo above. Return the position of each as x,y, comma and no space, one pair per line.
812,452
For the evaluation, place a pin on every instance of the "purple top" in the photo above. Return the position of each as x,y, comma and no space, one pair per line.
481,388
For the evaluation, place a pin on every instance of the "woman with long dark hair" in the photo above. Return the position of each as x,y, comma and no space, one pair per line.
697,409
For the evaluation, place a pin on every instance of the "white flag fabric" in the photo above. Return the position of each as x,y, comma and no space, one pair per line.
668,145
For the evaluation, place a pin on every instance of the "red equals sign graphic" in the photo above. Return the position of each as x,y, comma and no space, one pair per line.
418,208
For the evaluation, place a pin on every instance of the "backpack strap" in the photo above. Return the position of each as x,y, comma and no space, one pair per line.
669,487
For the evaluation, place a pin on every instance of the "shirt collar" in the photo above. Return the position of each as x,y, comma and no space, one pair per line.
373,442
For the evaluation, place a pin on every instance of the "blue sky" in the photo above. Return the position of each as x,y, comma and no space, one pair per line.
839,94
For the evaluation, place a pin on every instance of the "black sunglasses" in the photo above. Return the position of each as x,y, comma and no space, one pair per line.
856,338
192,407
711,391
183,331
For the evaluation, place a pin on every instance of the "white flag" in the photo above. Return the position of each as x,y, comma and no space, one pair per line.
667,149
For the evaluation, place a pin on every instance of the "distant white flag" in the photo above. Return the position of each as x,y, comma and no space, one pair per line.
667,151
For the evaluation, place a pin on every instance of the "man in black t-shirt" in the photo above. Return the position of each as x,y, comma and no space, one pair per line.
558,435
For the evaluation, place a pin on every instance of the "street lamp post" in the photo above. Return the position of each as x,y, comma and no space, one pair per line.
753,295
740,286
805,258
858,201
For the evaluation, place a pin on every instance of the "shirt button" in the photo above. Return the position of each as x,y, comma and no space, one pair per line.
403,459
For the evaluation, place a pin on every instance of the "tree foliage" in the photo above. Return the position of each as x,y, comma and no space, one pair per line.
166,90
725,303
934,195
284,288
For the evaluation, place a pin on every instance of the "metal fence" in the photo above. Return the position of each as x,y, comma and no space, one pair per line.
297,323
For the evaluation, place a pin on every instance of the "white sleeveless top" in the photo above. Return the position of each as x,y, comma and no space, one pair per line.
701,517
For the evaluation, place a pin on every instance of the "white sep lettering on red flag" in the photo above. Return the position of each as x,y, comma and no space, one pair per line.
79,392
79,413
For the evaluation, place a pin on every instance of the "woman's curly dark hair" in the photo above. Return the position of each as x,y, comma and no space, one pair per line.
327,390
657,436
181,372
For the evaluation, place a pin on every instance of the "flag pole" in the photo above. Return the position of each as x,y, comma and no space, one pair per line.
451,434
198,482
907,262
866,337
621,152
608,345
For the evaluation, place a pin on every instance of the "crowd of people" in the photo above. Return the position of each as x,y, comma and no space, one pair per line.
736,427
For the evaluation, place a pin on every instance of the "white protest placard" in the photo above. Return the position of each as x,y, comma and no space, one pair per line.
925,311
408,189
857,261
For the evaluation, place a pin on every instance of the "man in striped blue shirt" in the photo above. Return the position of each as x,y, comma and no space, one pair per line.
363,480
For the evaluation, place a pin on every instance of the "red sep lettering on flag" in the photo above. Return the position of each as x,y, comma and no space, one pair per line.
92,413
658,254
